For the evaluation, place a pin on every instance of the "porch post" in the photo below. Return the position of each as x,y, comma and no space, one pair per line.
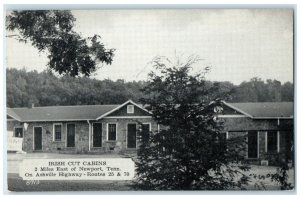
89,134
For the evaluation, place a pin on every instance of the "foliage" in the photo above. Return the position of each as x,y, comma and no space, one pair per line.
281,176
45,89
190,152
52,31
256,90
287,92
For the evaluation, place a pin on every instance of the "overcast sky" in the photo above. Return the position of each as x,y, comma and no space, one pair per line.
237,44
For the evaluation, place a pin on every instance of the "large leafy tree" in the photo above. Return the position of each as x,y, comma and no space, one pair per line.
189,152
52,31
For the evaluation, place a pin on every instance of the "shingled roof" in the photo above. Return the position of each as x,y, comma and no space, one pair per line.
260,110
65,113
61,113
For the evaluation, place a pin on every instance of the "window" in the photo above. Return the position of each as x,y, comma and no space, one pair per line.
19,132
272,141
57,128
130,109
112,132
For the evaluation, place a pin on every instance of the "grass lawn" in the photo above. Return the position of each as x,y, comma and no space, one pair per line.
15,183
265,170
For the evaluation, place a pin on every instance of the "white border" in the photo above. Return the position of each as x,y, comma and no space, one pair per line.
150,195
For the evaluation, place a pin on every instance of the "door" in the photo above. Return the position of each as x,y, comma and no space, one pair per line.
131,135
252,144
70,135
37,138
97,134
146,132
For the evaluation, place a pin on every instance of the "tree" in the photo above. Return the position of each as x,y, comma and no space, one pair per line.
257,90
190,152
52,31
287,92
45,89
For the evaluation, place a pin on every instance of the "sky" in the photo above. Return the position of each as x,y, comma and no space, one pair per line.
237,44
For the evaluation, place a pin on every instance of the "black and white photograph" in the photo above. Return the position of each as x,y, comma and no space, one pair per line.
150,100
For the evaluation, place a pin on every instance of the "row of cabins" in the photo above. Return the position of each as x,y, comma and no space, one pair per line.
268,128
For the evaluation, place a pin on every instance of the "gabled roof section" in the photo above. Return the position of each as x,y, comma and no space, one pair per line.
122,105
231,105
12,114
264,110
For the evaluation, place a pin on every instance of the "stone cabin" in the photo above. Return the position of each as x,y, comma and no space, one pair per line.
80,129
267,127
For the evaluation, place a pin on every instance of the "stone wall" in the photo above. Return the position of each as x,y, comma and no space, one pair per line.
121,143
48,143
82,136
240,127
246,124
234,126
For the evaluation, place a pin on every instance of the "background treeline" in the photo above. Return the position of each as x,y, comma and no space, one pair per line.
46,89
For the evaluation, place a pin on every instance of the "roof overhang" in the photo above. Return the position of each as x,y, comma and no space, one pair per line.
274,118
58,120
13,115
